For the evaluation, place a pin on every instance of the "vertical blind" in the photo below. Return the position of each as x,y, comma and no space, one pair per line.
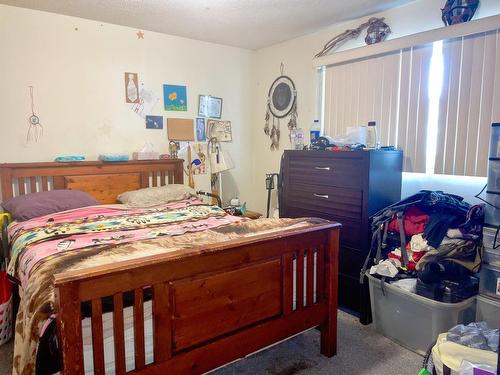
469,103
389,89
393,90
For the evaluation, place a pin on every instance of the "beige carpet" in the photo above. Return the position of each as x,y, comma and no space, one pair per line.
361,351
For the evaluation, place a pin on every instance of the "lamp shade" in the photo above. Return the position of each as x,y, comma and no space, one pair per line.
220,161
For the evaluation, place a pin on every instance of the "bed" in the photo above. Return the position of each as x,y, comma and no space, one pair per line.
193,309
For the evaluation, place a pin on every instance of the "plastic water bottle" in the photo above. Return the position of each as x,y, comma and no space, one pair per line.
372,137
297,137
315,130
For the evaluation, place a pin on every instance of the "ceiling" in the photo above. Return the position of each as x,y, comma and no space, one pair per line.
248,24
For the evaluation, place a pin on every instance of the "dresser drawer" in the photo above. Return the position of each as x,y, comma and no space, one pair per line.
326,170
341,202
352,232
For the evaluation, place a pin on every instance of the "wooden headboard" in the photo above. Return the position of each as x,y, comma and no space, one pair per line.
104,181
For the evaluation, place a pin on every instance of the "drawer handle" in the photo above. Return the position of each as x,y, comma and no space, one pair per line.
323,168
325,196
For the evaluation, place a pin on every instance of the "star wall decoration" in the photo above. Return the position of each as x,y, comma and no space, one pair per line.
140,34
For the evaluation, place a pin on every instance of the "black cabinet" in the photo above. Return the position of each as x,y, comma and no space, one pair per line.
348,187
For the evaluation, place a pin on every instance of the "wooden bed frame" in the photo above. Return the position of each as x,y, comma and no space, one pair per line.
211,305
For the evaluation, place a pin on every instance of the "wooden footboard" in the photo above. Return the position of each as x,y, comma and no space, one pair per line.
210,306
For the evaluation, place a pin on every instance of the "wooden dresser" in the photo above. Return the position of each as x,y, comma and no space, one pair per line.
348,187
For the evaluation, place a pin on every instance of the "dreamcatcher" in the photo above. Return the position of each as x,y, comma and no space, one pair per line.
281,102
35,130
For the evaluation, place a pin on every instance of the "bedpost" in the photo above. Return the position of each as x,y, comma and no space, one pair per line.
329,327
69,328
5,184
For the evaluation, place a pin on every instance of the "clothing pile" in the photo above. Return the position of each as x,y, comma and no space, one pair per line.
434,238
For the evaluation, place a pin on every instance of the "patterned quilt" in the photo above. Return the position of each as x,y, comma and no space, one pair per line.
99,235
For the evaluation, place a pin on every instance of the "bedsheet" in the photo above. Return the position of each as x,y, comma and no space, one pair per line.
99,235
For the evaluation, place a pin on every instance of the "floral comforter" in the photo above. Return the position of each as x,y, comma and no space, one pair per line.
99,235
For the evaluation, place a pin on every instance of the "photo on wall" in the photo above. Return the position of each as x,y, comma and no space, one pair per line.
154,122
220,130
209,106
175,98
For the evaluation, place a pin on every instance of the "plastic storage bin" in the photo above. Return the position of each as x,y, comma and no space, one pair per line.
488,310
489,238
494,176
492,214
495,140
414,321
491,257
489,283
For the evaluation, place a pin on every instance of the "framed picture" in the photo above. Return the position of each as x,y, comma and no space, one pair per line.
201,135
174,98
131,87
220,130
209,106
154,122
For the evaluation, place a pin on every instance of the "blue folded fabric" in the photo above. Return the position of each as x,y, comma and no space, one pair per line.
113,158
68,158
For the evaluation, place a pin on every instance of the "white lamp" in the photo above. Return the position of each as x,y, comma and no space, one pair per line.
220,161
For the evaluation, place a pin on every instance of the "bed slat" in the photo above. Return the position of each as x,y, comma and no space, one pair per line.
33,185
97,337
300,279
45,183
139,329
162,323
118,334
320,269
310,277
287,268
154,179
22,189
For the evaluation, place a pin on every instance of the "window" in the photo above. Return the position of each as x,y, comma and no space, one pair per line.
436,101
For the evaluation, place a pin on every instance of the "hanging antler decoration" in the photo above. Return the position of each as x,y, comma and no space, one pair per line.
281,102
353,34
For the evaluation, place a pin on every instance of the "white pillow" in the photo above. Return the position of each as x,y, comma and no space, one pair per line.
156,195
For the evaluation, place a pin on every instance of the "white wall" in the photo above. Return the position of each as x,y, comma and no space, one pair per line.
78,79
77,68
297,55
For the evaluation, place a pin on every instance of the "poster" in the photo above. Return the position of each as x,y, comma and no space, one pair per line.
154,122
174,98
201,135
131,88
220,130
146,103
200,166
198,157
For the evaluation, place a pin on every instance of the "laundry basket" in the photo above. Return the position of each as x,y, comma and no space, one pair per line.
5,284
5,306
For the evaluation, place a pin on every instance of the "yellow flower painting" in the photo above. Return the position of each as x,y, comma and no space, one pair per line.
175,98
